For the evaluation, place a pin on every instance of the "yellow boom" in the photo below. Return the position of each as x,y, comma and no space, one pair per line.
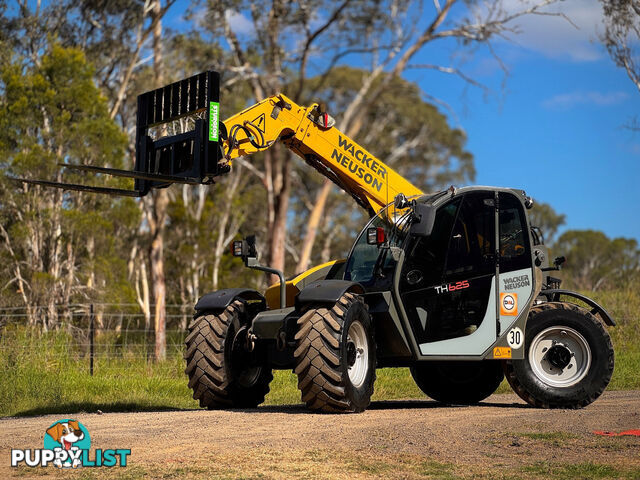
309,132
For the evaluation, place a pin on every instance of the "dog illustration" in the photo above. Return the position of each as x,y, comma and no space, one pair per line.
66,434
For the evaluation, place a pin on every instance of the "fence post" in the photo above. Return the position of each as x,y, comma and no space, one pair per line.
91,333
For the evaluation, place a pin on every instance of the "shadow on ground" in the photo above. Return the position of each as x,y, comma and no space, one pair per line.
84,407
124,407
384,405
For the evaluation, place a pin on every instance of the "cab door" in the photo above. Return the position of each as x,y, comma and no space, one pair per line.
516,268
447,284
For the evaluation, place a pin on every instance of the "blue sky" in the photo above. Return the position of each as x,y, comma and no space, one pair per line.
555,126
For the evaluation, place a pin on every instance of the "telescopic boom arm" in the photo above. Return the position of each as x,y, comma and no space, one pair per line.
207,151
310,133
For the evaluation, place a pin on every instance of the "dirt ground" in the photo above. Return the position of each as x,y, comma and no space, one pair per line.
500,438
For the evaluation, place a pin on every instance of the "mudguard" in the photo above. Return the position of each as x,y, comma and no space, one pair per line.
326,291
221,299
553,295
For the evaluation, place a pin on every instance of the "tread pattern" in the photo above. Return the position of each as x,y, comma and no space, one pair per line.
525,395
205,356
318,358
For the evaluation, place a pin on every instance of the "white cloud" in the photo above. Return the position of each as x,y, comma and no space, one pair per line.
554,36
566,101
240,24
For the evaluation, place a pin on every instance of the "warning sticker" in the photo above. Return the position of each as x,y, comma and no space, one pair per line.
501,352
258,122
508,304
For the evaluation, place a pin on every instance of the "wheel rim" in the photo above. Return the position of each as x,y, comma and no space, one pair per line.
560,356
244,374
249,376
357,354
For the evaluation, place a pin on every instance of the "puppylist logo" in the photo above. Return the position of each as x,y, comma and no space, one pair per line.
67,445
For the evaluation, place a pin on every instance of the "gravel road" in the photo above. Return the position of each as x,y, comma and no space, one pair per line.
501,432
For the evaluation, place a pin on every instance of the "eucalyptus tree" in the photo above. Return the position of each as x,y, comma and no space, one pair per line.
282,44
56,247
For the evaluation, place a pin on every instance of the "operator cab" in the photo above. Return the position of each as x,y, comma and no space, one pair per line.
446,280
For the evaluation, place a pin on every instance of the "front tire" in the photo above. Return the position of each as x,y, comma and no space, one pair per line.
336,356
222,373
569,358
461,383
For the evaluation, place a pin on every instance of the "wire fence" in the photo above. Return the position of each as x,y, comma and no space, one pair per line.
102,335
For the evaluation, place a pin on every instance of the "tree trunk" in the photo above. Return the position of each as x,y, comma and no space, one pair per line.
277,229
156,256
325,253
159,203
227,229
142,294
312,226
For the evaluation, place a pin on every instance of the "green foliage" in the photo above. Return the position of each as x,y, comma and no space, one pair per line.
49,373
191,256
596,262
623,304
53,113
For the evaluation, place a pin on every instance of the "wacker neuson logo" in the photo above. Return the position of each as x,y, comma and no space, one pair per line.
67,445
214,109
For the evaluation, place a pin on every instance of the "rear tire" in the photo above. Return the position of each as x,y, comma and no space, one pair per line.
461,382
568,358
336,356
222,373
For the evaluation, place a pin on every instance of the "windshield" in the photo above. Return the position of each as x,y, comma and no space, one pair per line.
366,262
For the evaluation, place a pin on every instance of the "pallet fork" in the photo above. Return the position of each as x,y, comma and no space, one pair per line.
191,157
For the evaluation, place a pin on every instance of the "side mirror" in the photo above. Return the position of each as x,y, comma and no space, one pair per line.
424,217
558,261
245,248
400,201
528,203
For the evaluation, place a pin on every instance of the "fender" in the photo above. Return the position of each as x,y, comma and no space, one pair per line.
326,291
553,295
221,299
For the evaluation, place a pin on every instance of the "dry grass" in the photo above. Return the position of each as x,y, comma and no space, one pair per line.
339,464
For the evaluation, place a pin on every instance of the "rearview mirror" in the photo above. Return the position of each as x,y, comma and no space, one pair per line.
400,201
424,217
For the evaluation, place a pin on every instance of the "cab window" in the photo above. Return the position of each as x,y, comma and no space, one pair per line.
471,247
426,255
515,252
